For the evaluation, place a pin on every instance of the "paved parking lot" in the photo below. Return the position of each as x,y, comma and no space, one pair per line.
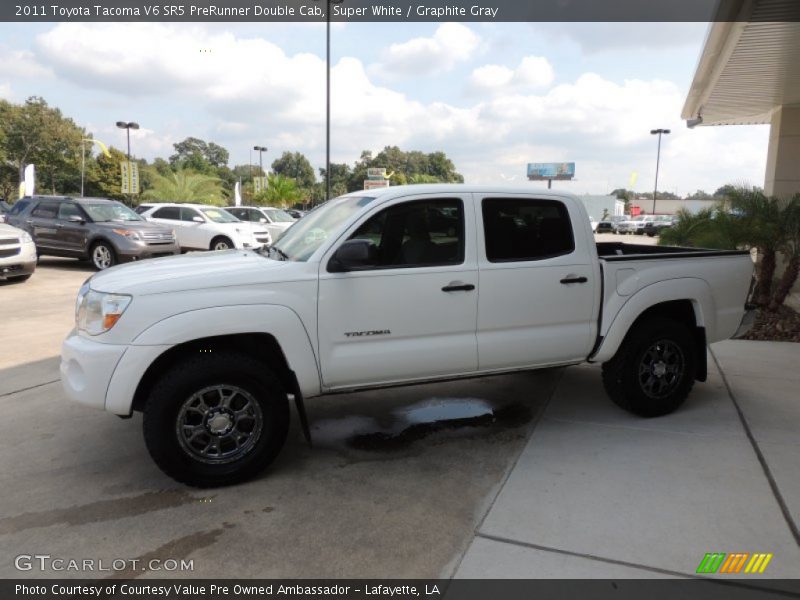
529,475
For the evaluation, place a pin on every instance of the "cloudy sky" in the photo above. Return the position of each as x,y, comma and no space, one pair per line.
493,96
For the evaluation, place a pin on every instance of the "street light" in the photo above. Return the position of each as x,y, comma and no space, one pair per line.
128,127
658,132
328,98
260,149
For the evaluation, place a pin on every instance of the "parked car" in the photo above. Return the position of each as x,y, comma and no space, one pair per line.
17,254
297,214
275,220
634,225
609,224
374,289
205,227
104,231
654,227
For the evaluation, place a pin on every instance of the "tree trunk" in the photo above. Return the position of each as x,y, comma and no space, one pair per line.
766,272
786,283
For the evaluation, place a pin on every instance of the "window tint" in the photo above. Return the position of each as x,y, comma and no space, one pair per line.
67,210
142,208
417,234
45,210
522,229
188,214
19,206
168,212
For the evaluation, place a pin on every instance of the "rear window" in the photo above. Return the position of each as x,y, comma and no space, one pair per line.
19,206
521,229
45,210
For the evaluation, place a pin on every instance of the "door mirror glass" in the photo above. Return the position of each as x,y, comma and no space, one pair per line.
76,219
353,255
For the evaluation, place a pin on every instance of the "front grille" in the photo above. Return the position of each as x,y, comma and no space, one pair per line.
8,241
263,239
157,238
6,252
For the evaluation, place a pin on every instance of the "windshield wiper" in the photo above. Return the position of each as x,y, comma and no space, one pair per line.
280,253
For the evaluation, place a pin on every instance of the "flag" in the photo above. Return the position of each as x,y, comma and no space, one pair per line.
237,194
30,180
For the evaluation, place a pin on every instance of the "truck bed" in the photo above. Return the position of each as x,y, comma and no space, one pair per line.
617,251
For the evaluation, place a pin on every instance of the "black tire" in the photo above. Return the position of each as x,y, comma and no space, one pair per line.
102,255
170,405
221,243
654,370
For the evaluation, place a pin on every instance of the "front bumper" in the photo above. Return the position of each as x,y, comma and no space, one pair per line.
86,369
20,264
134,252
748,319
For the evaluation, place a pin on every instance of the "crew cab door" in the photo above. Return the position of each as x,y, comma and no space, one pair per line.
538,281
409,313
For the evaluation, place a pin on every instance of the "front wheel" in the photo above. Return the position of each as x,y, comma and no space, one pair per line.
221,243
216,419
103,256
654,370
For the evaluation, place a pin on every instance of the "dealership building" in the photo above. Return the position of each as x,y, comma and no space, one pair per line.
749,73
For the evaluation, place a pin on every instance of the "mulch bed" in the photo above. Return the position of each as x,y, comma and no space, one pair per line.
782,325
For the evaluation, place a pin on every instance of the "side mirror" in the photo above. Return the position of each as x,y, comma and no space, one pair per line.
262,220
198,219
76,219
352,256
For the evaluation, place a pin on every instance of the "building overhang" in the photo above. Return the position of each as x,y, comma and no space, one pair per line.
750,65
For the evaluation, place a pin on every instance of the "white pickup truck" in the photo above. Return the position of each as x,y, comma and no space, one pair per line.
384,288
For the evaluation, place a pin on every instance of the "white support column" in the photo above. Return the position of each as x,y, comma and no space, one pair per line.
783,157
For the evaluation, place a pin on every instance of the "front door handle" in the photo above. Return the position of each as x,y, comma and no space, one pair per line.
458,287
573,279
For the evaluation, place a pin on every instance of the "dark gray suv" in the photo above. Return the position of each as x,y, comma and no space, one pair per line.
104,231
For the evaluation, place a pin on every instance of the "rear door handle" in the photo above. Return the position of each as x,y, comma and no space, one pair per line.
458,287
573,279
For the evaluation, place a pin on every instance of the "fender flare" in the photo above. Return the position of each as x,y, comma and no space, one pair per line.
695,290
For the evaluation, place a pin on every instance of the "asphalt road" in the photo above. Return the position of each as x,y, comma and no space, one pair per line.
395,485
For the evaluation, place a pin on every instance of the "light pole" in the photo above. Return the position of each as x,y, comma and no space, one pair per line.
328,98
260,149
658,132
127,126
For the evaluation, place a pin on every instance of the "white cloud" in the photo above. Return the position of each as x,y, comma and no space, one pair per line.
532,72
450,44
20,64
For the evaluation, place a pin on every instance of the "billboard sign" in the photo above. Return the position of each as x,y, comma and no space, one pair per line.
371,184
550,171
375,173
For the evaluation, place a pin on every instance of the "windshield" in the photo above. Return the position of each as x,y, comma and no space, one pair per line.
113,211
302,239
218,215
277,215
638,218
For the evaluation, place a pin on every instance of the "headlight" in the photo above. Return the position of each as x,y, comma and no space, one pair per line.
26,238
97,312
131,235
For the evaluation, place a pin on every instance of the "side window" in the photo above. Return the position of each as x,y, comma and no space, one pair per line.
524,229
239,213
67,210
45,210
168,212
188,214
417,234
19,206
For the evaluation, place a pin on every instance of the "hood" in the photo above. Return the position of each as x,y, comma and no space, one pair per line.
194,271
8,230
133,226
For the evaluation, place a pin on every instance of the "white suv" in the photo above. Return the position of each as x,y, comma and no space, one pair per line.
275,220
204,227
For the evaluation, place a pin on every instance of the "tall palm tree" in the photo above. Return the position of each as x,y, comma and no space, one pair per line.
185,185
281,191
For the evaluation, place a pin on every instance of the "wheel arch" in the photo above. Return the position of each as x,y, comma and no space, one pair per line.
263,345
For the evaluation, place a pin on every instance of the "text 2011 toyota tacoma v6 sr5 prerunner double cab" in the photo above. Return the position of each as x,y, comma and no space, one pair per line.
379,288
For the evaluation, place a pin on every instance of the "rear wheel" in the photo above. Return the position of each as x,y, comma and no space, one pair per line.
103,256
216,419
654,369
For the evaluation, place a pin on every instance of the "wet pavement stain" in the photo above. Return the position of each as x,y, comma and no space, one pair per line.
102,510
176,550
418,421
